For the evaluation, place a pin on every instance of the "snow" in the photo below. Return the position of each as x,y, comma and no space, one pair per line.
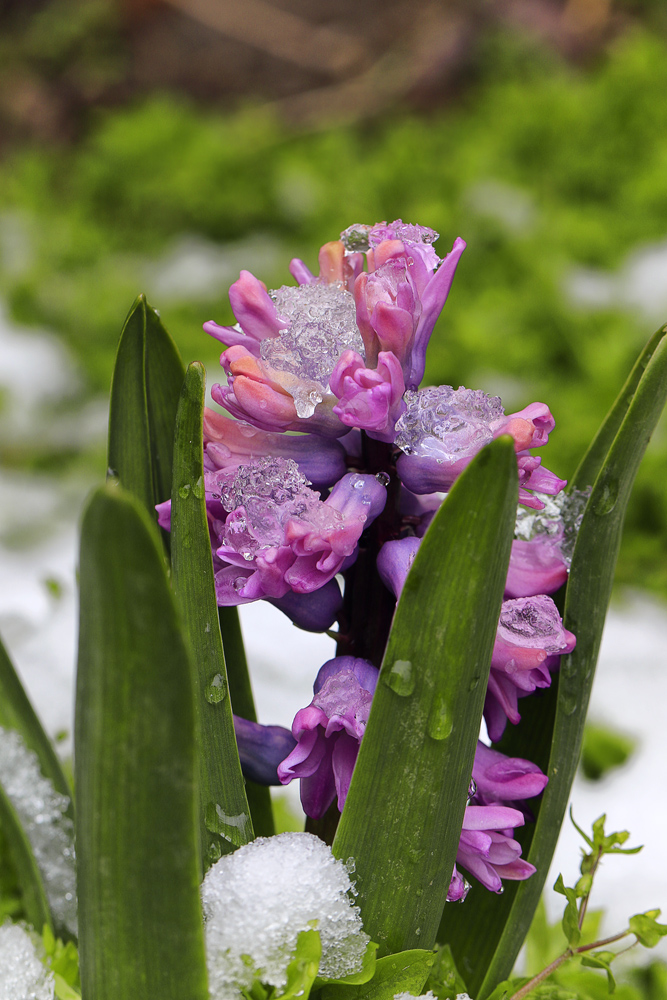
22,975
257,901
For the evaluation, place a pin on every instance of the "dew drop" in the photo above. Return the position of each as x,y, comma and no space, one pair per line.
400,678
606,502
383,478
184,491
568,703
214,852
233,829
198,488
216,691
440,721
474,681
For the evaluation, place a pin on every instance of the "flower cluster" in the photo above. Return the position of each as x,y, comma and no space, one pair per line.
339,359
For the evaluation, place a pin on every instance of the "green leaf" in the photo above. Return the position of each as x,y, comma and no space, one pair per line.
17,713
302,970
646,929
490,930
243,704
365,974
405,972
63,990
224,814
603,750
570,922
141,933
590,465
33,892
444,979
415,762
145,389
601,960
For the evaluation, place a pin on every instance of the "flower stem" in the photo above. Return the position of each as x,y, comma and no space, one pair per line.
568,953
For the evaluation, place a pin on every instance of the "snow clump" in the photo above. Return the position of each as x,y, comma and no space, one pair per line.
257,901
22,975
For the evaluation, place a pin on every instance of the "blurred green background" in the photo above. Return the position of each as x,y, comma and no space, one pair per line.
150,147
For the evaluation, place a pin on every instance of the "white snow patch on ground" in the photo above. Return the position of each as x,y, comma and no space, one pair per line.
640,284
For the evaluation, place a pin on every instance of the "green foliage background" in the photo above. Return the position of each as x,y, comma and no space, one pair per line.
541,167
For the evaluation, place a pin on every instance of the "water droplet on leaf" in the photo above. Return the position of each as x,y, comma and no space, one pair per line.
233,829
606,502
184,491
440,721
400,678
198,488
216,691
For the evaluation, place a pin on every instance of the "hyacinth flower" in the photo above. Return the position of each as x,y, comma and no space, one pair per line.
230,443
261,749
442,429
487,851
529,640
501,779
328,733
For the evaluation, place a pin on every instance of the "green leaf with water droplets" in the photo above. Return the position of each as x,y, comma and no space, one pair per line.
403,973
137,836
224,811
415,762
489,930
145,389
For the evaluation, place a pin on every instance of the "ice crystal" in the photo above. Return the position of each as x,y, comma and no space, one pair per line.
446,423
322,324
256,902
355,237
430,995
560,520
262,497
42,811
22,975
400,230
532,622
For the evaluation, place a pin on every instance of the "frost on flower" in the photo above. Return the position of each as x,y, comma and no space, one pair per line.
42,811
447,424
257,901
22,975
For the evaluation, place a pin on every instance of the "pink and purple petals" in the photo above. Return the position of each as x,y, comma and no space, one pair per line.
487,851
530,634
274,535
459,887
230,443
504,779
370,399
394,561
261,749
433,299
537,566
328,733
255,312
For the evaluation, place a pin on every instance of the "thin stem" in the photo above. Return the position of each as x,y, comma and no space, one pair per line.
584,902
568,953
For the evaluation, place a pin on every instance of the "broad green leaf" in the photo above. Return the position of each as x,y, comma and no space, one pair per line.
145,388
224,812
405,972
243,704
646,929
33,892
489,930
415,762
141,933
17,713
444,979
302,970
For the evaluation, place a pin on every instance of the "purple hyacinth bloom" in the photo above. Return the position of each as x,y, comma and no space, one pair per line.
256,314
537,566
369,398
230,443
272,533
487,851
401,296
328,733
261,749
442,429
501,779
529,639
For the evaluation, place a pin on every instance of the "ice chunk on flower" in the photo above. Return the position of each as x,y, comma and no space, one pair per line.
429,995
22,975
42,811
256,902
322,324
